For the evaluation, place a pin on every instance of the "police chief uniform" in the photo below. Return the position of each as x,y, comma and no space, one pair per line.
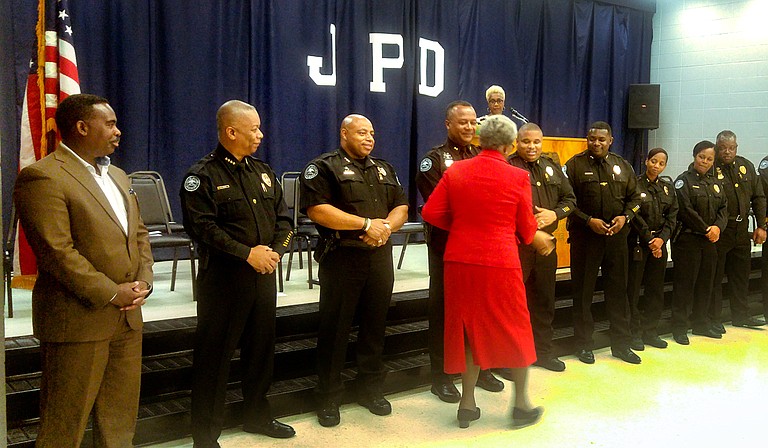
550,190
431,169
355,278
744,190
230,207
656,218
702,203
605,188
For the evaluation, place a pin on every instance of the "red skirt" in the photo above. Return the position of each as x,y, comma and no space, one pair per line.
488,305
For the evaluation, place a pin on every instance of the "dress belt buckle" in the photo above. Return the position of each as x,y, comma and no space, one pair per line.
739,218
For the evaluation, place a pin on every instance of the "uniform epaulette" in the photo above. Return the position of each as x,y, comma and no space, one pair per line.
327,155
195,169
549,157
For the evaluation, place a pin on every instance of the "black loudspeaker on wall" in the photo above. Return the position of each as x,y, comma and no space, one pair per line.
643,106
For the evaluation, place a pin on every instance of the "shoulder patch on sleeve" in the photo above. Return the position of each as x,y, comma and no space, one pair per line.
191,183
679,184
764,164
311,171
425,165
565,170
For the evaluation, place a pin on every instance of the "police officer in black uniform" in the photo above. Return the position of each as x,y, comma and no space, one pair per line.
763,170
649,232
356,202
233,208
553,200
607,198
734,250
460,123
702,213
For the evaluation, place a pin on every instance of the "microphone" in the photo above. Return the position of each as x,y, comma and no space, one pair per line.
518,115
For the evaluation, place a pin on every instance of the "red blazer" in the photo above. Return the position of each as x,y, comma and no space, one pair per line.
485,204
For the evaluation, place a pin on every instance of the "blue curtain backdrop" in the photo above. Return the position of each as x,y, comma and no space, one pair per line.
167,65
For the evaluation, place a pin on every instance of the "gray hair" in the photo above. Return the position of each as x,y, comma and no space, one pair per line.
497,132
494,89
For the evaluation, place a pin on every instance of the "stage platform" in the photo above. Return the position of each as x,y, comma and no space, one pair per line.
610,391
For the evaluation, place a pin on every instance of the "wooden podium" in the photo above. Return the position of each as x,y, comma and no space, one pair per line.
561,149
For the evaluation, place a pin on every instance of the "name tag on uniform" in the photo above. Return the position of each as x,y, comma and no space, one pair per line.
222,187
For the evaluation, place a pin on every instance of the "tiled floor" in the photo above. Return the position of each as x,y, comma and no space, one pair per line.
712,393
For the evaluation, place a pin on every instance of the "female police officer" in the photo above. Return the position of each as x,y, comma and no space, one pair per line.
651,229
702,214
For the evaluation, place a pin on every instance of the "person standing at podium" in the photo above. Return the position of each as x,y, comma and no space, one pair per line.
460,123
607,198
553,200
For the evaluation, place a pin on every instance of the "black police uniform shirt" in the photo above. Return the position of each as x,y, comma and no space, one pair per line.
550,188
230,206
436,161
604,188
742,187
701,202
658,210
762,169
368,187
431,169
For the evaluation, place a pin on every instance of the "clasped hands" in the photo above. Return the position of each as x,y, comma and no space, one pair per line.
378,234
655,247
131,295
263,259
601,227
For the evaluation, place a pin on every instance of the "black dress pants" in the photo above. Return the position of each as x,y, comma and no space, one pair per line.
734,257
590,254
695,260
648,272
436,313
539,272
764,278
235,305
354,282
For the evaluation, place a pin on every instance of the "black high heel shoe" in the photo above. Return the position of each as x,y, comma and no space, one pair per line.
522,418
467,415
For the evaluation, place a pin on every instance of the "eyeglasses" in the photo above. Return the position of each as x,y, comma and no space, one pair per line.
496,101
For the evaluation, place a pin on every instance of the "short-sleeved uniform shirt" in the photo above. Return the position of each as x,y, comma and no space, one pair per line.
605,188
550,188
368,188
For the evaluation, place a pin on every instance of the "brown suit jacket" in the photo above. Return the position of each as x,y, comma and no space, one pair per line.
81,249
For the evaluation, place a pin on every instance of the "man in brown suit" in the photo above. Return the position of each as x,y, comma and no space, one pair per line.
94,273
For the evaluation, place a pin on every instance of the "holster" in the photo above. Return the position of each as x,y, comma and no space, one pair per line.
325,246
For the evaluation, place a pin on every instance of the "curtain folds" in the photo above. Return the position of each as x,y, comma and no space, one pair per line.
167,65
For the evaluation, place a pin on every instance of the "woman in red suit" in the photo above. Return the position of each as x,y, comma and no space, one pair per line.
485,204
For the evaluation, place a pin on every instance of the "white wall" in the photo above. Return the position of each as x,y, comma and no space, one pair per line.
711,59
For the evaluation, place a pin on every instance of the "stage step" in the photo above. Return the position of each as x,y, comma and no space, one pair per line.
167,361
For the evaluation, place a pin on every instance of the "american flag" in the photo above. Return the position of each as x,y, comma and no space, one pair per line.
52,77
